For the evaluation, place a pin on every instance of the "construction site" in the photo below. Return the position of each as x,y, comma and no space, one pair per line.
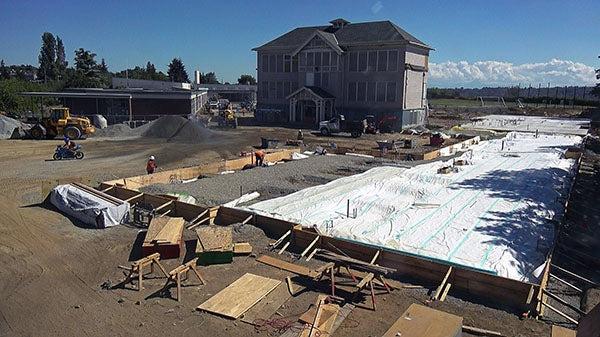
487,225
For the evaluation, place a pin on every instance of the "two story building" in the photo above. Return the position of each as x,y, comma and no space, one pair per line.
311,74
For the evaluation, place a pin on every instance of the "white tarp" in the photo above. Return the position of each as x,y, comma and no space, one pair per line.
494,215
87,207
567,126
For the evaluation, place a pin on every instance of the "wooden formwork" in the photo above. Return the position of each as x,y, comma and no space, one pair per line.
165,177
502,291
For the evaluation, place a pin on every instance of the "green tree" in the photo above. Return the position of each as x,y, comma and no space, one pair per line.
596,90
177,71
103,67
61,58
247,79
3,71
11,99
88,74
47,58
209,78
147,73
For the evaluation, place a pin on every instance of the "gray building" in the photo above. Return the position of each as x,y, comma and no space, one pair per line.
313,73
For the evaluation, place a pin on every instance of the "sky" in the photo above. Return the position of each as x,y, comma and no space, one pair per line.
477,43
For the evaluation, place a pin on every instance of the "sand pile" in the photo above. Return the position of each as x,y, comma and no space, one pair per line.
178,129
7,126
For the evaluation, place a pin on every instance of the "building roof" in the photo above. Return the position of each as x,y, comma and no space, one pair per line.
378,32
314,90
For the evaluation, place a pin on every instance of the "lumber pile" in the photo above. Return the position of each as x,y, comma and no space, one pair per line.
164,236
215,245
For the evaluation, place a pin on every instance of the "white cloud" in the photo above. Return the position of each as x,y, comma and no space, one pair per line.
498,73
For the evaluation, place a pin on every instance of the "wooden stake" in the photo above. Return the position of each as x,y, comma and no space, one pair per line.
481,332
280,240
566,283
560,313
163,205
375,256
247,219
310,256
440,288
198,216
288,280
443,297
108,188
134,197
198,223
314,242
284,248
576,276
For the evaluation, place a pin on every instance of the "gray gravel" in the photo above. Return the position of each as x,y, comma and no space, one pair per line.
270,182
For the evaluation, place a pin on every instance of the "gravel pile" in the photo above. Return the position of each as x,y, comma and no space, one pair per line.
7,126
270,182
178,129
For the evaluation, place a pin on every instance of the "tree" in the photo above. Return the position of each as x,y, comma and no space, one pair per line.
47,58
61,58
596,89
177,71
147,73
88,74
209,78
247,79
150,69
3,71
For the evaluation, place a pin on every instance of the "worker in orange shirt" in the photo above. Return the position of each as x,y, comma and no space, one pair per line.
151,165
260,157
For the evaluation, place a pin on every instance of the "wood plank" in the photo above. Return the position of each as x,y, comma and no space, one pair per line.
324,321
240,296
268,306
559,331
156,225
171,232
242,248
291,267
421,321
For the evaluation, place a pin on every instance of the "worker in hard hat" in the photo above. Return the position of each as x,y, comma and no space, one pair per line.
260,157
300,135
151,165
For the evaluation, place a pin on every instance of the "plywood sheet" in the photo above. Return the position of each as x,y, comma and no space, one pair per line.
267,307
164,230
242,248
421,321
294,268
214,238
240,296
559,331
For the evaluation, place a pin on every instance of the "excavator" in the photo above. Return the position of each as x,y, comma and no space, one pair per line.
227,118
58,121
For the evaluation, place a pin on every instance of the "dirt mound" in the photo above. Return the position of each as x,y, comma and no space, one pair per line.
115,130
177,129
7,126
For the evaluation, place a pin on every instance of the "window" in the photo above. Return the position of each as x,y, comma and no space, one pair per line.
279,64
352,92
391,92
380,91
325,80
264,90
372,61
295,64
317,59
310,59
393,60
272,90
272,61
317,79
362,61
279,90
371,92
362,91
287,87
302,59
326,56
287,63
382,61
353,64
265,63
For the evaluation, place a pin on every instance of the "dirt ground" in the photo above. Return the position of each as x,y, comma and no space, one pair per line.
60,279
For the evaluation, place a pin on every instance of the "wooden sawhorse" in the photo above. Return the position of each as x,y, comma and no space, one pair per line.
137,269
175,275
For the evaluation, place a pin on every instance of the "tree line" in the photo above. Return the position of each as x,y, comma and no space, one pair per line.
53,73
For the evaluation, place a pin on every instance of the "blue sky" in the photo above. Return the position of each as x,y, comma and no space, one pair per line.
474,40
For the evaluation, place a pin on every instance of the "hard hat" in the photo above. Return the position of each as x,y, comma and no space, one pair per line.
151,157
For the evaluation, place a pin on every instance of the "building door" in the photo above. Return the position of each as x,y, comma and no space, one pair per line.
310,79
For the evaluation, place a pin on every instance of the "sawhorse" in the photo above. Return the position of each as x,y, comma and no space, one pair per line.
175,275
137,269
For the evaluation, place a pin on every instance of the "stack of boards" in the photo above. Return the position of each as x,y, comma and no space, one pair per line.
215,245
164,236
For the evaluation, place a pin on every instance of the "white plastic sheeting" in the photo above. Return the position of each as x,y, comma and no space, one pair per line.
571,126
494,215
87,207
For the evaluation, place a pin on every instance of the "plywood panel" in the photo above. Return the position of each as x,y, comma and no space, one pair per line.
240,296
268,305
421,321
294,268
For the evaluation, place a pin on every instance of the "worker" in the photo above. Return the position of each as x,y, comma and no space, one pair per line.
151,165
300,135
69,144
260,157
